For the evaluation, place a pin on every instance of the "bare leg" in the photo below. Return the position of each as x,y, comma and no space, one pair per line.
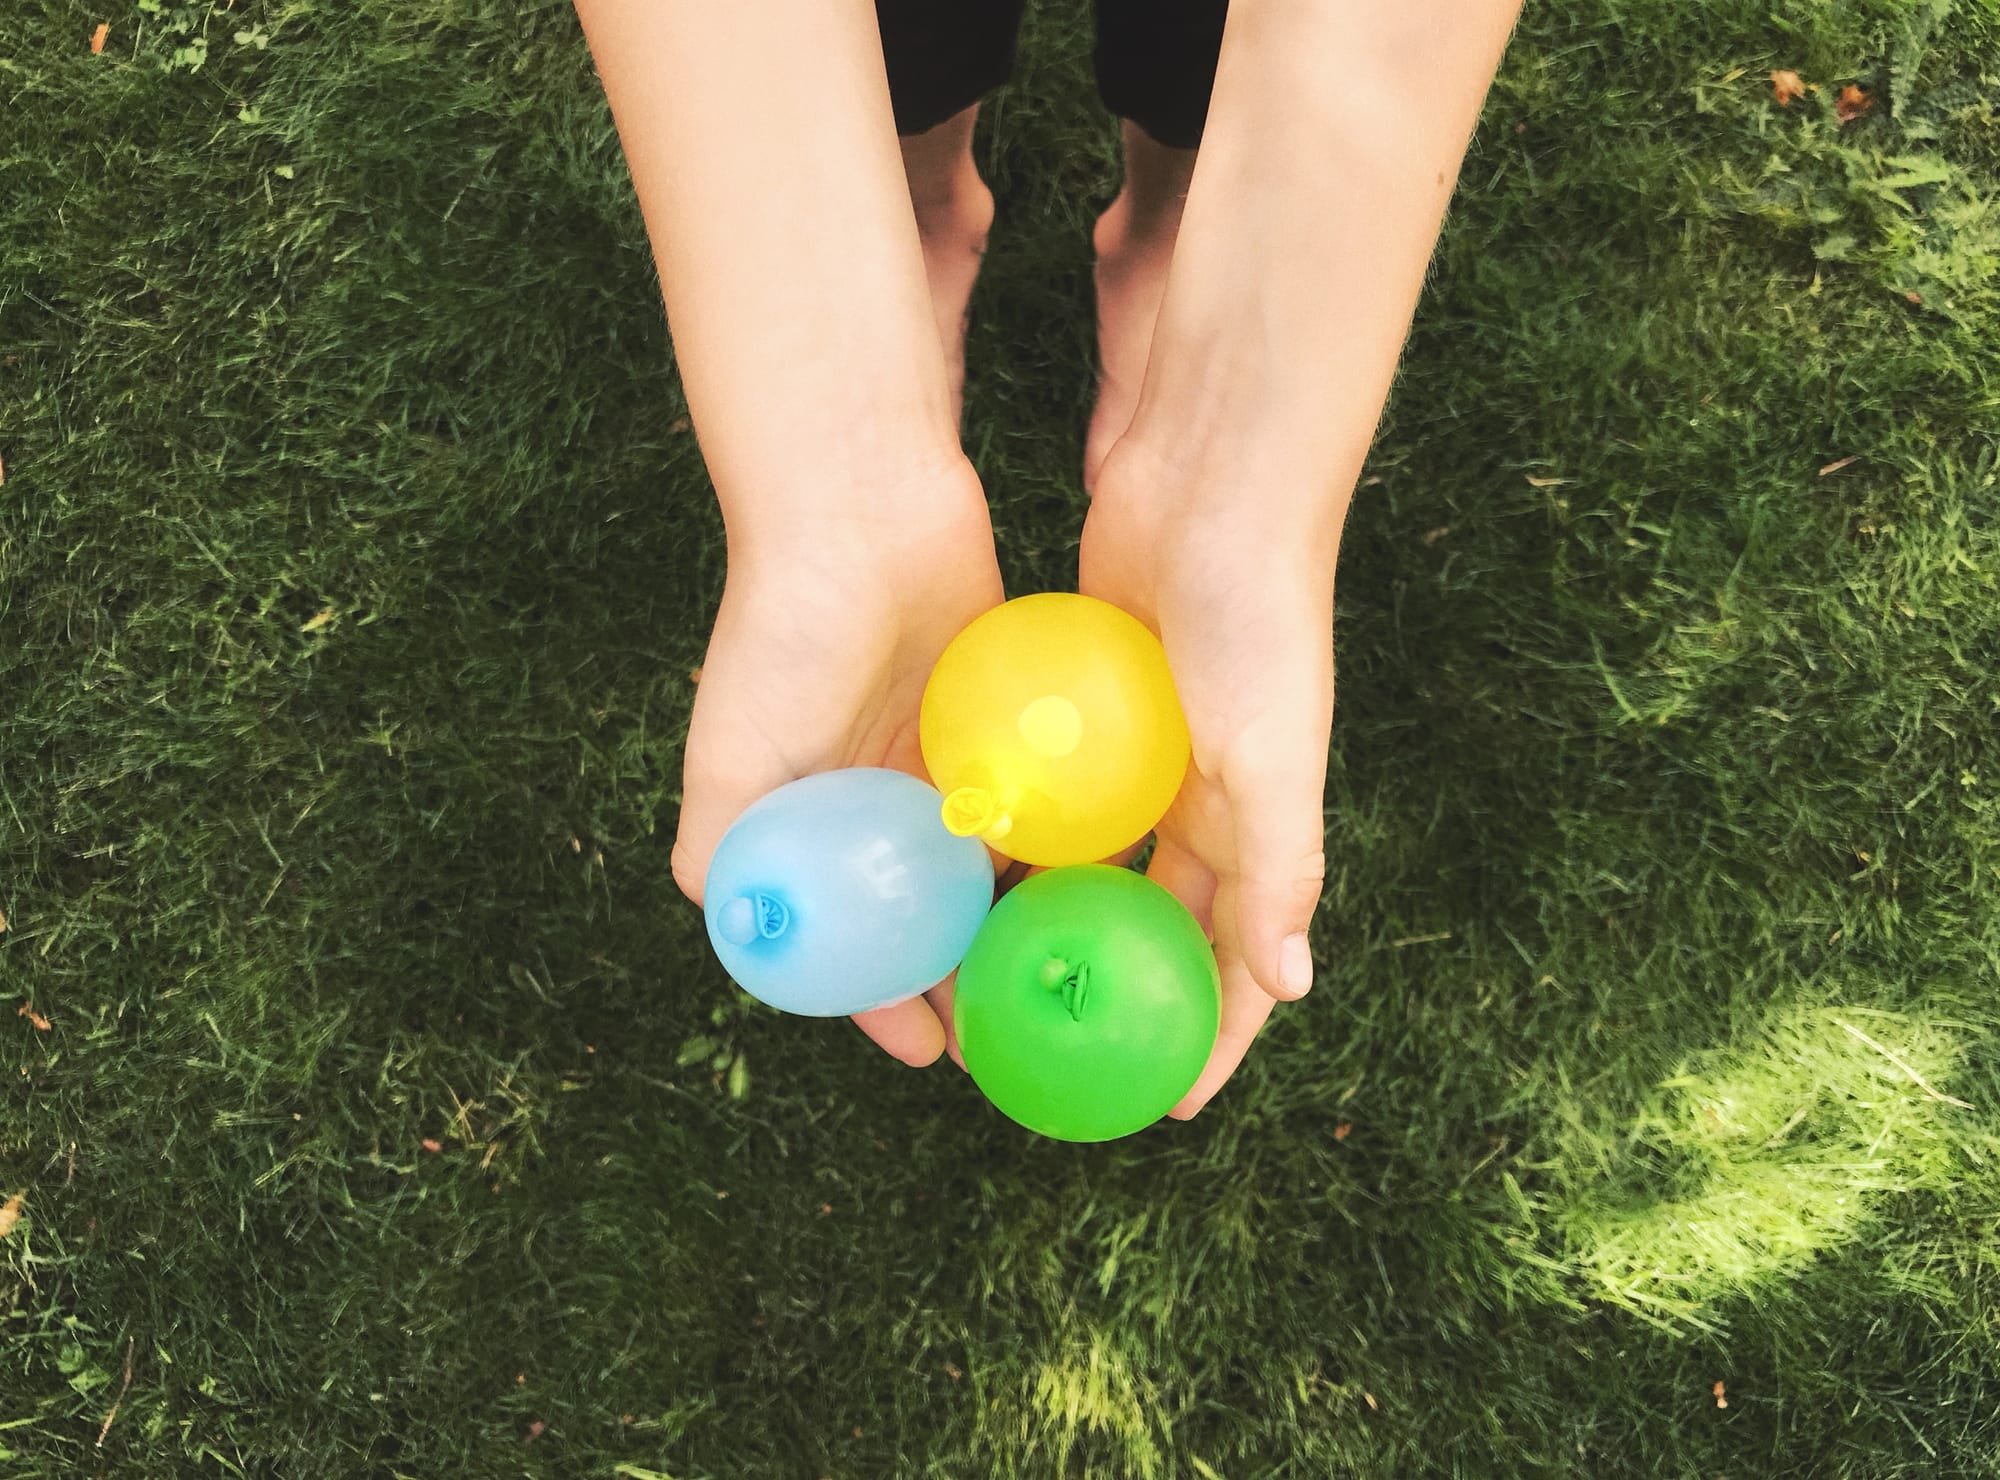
1135,241
954,212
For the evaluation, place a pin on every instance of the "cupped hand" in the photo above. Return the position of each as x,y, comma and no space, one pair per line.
1241,595
829,626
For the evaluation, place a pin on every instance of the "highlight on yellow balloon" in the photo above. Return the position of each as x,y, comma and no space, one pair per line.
1052,727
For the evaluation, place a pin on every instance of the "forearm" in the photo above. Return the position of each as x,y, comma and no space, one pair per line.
763,150
1334,137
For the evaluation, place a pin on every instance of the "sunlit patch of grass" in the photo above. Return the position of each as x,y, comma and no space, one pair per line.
1752,1160
1092,1390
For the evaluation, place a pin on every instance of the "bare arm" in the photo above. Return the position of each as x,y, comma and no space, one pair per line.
1334,139
763,149
1334,136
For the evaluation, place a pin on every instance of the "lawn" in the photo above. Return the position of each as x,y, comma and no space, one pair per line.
380,1111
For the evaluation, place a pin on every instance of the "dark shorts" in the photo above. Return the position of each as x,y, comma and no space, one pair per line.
1155,59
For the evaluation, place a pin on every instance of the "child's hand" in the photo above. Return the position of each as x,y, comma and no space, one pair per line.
762,144
828,628
1243,601
1217,512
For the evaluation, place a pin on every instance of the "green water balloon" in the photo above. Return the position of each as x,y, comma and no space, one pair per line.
1088,1003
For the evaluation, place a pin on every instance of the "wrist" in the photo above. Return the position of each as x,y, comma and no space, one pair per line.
1236,421
1225,445
1238,501
873,499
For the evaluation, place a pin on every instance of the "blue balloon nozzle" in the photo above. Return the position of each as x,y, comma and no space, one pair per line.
750,917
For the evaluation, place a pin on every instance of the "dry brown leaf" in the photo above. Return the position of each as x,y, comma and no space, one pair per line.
10,1213
1787,87
97,38
1834,467
1852,102
1341,1131
27,1010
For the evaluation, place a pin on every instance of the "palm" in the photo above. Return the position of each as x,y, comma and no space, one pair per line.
817,662
1247,631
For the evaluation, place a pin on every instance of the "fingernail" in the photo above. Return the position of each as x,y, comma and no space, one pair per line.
1295,965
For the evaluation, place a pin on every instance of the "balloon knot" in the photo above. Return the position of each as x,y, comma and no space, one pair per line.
1073,981
971,811
772,916
749,917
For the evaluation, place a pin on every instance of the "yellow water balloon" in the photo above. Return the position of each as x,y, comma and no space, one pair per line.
1052,727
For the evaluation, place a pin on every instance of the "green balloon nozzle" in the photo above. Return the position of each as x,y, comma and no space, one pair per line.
1072,979
753,916
972,811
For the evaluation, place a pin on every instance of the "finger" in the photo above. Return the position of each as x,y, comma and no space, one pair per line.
729,765
1245,1007
1188,879
1014,873
941,998
1124,856
909,1031
1280,835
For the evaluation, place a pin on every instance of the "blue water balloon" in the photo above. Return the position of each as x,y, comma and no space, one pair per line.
842,892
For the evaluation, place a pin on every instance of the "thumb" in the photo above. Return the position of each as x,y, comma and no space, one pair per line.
1277,806
729,764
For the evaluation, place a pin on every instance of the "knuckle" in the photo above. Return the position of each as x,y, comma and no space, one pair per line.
687,876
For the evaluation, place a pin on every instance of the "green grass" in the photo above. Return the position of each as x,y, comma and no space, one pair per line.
353,560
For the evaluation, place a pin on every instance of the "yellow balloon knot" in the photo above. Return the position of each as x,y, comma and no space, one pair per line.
971,811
